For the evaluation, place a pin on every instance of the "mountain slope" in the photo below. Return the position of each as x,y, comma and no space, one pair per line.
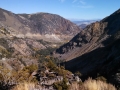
23,36
95,50
90,38
39,26
52,24
52,27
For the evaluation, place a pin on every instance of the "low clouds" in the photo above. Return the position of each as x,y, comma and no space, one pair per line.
81,4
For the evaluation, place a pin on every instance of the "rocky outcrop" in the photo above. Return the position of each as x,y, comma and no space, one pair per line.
48,77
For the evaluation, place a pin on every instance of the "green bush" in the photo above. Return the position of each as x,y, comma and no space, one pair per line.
30,68
61,85
51,65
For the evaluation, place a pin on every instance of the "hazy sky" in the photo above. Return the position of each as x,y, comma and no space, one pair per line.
70,9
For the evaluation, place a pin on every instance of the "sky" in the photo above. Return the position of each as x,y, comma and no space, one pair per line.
69,9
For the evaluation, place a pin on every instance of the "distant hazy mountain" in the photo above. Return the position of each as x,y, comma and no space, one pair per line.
83,23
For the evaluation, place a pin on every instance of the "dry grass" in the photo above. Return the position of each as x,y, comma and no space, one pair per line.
92,85
26,86
87,85
75,86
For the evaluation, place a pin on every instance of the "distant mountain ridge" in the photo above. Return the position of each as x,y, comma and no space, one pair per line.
83,23
39,25
51,20
78,22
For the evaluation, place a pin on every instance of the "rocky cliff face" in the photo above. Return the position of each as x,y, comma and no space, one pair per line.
95,49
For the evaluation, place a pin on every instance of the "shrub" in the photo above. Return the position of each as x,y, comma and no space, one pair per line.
25,74
61,85
51,65
30,68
